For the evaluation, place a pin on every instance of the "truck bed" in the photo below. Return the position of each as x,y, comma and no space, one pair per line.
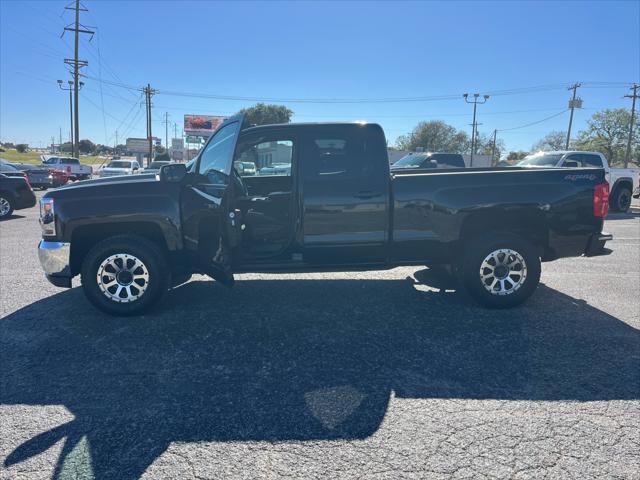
434,209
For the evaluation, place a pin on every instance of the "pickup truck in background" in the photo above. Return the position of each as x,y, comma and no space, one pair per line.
336,208
71,166
120,167
622,181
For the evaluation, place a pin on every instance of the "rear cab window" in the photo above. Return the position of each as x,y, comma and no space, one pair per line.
338,152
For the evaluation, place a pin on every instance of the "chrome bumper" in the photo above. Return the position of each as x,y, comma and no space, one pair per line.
54,258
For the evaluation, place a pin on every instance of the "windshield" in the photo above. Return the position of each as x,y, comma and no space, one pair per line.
119,164
411,160
540,160
50,160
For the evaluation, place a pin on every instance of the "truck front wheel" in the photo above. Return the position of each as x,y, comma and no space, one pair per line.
501,270
124,275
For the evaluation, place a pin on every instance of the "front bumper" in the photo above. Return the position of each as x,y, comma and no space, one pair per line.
596,244
55,260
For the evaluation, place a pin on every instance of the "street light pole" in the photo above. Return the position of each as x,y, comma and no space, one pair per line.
70,90
475,102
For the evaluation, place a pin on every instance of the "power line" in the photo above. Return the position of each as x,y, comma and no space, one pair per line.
534,123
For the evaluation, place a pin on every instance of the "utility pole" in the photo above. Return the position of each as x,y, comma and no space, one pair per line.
166,131
148,91
573,103
633,97
77,64
115,146
70,89
60,139
493,148
475,102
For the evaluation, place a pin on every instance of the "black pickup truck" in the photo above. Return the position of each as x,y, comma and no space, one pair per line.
323,199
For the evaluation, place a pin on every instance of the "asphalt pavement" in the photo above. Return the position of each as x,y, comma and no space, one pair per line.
387,374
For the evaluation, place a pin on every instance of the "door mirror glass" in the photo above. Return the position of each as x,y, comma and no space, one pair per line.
173,173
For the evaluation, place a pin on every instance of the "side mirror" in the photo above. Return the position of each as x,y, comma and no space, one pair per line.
135,168
570,164
173,173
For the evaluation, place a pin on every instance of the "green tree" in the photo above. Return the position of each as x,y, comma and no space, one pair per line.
102,149
86,146
434,136
163,157
516,156
264,114
484,146
554,140
607,132
22,147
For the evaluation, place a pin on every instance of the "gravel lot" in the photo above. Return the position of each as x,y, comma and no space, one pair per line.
341,375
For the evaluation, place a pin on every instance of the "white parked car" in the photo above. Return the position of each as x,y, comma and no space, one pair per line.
120,167
622,181
71,166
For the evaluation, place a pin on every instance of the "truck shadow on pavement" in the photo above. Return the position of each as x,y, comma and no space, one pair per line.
287,360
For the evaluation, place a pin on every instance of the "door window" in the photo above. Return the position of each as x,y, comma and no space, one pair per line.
584,160
590,160
341,155
264,157
216,155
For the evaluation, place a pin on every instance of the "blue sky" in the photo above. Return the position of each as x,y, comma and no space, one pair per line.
322,50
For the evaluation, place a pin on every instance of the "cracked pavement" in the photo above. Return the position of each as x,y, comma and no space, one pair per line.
377,375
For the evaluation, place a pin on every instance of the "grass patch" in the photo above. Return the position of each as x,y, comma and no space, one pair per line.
14,156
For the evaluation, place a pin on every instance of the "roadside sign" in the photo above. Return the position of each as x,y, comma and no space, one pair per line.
202,125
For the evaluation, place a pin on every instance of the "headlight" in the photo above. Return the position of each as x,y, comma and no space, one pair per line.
47,216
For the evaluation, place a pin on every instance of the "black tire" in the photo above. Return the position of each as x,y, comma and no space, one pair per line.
4,201
621,200
155,268
479,249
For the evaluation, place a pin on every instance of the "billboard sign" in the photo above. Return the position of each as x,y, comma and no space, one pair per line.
202,125
138,145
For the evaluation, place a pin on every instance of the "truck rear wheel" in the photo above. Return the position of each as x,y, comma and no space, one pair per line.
124,275
501,270
621,200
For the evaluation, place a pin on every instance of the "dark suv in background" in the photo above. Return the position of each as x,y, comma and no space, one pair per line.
429,160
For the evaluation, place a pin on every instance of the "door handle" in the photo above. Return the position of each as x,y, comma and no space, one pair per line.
365,194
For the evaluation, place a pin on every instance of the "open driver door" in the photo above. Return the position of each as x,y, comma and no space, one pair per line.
211,223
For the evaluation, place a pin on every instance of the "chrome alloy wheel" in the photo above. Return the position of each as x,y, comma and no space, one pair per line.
503,271
4,206
122,278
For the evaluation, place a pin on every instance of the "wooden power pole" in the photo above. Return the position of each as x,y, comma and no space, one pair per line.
627,155
148,91
76,64
573,103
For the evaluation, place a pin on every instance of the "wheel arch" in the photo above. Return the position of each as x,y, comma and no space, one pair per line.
84,237
622,182
531,225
